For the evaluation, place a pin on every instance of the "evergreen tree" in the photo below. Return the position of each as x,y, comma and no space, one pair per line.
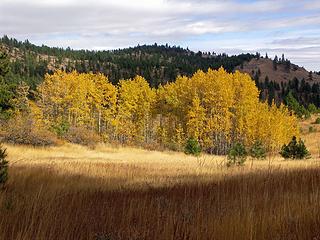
294,105
275,63
192,147
5,89
287,65
294,149
3,166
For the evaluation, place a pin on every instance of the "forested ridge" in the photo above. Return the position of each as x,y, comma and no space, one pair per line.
159,64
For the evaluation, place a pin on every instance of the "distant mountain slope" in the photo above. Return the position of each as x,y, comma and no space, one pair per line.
160,64
281,74
275,78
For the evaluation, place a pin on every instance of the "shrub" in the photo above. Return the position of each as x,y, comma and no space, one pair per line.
61,128
192,147
3,166
258,150
83,136
311,129
23,131
294,149
237,155
317,121
312,108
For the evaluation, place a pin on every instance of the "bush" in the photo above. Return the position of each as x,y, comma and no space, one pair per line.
295,150
83,136
61,128
258,150
317,121
3,166
311,129
192,147
237,155
23,131
312,108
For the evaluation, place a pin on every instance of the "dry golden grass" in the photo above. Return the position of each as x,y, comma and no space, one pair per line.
137,167
312,139
72,192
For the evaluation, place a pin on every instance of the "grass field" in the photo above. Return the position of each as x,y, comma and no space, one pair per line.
72,192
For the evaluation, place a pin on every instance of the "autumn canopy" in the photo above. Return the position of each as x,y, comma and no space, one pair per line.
215,107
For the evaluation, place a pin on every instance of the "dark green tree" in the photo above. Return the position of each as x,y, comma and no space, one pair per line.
275,63
4,64
5,89
192,147
294,150
237,155
294,106
257,150
3,166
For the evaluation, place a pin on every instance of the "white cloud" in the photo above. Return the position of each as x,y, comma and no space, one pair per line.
106,24
312,5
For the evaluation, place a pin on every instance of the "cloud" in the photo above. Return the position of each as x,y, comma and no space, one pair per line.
106,24
307,57
312,5
299,41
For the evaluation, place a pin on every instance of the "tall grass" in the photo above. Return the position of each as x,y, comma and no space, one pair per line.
75,193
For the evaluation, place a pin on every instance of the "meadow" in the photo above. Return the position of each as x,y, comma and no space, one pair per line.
113,193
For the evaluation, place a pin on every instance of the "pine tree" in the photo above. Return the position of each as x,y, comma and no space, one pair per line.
294,149
6,92
275,63
3,166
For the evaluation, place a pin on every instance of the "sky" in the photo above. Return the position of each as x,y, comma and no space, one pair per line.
291,27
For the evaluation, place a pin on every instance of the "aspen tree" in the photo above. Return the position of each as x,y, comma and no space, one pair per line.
134,115
196,124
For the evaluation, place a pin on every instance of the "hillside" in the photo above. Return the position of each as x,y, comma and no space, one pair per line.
276,78
160,64
157,63
282,74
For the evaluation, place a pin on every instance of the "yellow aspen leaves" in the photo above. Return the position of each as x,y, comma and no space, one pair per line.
215,107
80,99
196,119
219,108
134,111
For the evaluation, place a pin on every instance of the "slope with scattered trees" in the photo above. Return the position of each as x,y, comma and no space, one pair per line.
157,63
278,77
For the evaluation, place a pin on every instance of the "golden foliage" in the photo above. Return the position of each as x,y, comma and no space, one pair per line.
135,102
215,107
220,108
81,99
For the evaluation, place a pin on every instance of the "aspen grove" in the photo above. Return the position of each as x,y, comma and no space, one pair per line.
216,108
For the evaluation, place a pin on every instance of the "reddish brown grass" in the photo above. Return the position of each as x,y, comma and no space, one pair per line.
278,204
71,192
